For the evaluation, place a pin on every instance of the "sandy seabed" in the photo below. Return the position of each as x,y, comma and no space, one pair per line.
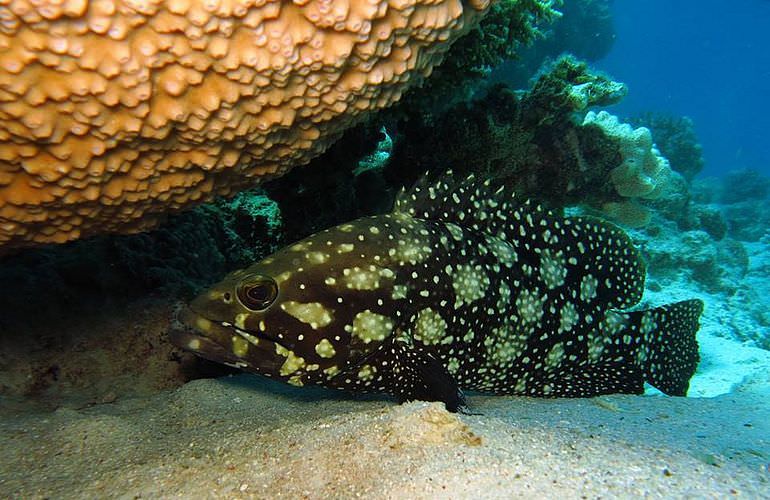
245,437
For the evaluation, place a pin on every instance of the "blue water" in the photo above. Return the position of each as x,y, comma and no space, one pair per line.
706,59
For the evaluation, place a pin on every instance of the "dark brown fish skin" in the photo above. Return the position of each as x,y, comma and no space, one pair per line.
461,287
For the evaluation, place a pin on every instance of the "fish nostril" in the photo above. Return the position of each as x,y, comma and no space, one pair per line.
227,296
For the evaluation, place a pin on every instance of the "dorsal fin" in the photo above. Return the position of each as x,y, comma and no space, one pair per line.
485,205
594,247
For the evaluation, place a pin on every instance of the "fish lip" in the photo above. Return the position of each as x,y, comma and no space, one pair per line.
184,339
181,317
183,327
213,341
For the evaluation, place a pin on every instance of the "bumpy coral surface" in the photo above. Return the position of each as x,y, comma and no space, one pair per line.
643,167
675,138
643,173
113,112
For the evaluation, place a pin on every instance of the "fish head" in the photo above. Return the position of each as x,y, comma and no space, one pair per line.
222,324
305,314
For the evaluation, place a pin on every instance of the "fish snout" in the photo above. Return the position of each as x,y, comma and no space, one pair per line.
189,330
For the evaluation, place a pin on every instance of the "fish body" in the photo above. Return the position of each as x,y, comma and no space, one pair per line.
461,286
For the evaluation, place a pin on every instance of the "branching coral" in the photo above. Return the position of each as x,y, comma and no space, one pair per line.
509,26
115,112
584,29
533,138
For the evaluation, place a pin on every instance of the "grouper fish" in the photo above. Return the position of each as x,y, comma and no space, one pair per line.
463,286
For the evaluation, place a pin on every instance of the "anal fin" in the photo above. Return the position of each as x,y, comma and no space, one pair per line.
603,377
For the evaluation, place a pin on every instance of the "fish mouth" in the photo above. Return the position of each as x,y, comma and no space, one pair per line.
215,341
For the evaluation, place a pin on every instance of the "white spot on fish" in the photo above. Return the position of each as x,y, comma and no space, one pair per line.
429,327
314,314
325,349
588,288
470,282
369,326
552,269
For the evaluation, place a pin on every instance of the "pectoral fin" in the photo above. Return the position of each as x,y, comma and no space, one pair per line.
416,375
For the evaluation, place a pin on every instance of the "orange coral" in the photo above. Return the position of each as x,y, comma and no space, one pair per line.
114,112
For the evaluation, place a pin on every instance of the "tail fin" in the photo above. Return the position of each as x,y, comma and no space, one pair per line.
669,354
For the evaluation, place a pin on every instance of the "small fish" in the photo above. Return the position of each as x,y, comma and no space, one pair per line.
461,286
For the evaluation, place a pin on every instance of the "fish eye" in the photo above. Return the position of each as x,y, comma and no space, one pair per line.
257,292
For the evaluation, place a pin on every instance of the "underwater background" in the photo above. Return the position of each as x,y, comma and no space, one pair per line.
705,60
651,115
